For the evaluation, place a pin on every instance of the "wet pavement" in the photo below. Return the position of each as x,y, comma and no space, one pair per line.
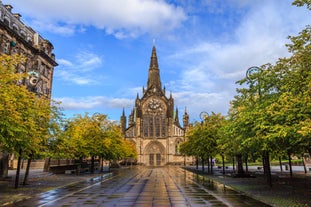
144,187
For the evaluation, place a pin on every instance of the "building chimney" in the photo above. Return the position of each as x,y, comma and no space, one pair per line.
17,16
9,7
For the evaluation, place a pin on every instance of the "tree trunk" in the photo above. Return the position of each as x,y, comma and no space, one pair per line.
233,164
240,164
208,166
27,170
18,169
197,163
264,165
280,163
223,164
92,164
47,163
79,166
212,165
290,164
304,164
4,164
101,164
202,160
266,159
246,164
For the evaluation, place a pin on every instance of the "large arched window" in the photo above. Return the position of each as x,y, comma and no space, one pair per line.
154,120
154,125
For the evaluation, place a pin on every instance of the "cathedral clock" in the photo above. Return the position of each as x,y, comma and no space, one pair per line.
154,105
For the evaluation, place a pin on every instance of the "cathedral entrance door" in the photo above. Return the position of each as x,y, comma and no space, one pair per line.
151,159
154,154
158,159
155,159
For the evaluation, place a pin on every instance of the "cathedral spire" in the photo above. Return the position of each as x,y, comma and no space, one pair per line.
123,122
154,72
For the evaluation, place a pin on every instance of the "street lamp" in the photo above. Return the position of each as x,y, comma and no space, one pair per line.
251,74
252,71
203,116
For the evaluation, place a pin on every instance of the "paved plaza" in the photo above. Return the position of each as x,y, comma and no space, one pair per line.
142,186
165,186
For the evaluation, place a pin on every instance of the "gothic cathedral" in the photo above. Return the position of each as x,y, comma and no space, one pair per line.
154,124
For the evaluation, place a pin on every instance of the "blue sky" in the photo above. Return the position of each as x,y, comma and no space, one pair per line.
103,48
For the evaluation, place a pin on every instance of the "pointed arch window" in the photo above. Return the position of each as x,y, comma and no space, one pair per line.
154,120
154,125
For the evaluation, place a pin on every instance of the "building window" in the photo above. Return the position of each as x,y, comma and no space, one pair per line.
45,88
6,48
145,125
157,126
6,21
39,87
177,148
154,125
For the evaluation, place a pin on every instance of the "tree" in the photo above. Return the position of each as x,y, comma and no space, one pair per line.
277,117
95,136
24,117
201,140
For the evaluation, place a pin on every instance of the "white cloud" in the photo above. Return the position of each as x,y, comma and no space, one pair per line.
94,102
211,68
88,61
65,63
64,29
81,72
120,18
209,60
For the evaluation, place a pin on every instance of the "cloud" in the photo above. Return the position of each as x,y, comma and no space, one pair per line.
84,71
65,63
94,102
211,66
126,18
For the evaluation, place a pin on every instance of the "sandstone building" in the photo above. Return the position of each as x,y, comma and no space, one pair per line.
154,125
18,38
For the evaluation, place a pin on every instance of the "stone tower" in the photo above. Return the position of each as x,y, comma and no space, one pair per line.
154,124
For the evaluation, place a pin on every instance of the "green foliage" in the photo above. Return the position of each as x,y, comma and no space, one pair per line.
95,135
273,110
24,117
303,3
201,141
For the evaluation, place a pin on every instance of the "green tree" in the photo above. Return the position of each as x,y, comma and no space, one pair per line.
201,141
95,136
273,113
24,117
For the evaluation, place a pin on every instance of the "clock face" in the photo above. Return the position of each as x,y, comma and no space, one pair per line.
154,104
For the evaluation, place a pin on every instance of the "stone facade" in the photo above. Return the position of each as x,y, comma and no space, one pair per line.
153,125
18,38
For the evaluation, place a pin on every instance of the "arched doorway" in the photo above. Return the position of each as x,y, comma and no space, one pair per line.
155,154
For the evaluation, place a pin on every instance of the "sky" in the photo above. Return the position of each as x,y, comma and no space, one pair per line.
103,48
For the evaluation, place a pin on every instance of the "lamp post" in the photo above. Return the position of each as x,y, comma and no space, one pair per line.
203,116
250,75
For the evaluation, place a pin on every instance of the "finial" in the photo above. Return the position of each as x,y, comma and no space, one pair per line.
154,41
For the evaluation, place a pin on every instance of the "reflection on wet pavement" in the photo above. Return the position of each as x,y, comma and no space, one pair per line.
142,186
